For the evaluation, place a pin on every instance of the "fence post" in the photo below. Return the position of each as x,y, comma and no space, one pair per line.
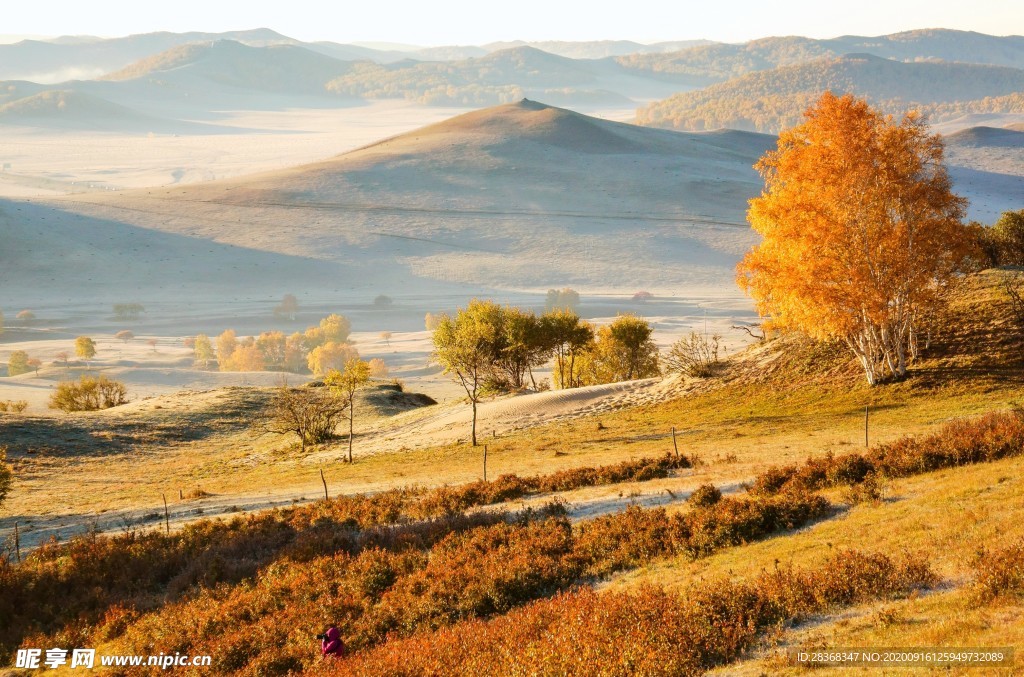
167,515
324,480
485,463
867,408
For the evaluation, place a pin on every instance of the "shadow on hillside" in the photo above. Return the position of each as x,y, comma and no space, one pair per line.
112,432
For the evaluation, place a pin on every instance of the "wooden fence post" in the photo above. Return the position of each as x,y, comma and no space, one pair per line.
867,408
167,515
324,480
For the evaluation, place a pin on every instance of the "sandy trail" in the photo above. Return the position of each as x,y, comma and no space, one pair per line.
450,423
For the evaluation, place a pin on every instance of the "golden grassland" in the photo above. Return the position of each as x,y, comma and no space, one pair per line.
778,403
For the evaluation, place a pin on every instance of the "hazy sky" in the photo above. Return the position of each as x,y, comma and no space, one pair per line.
442,22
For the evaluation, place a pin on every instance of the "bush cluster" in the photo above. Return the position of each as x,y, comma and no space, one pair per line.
89,394
649,632
999,574
452,500
92,573
388,592
962,442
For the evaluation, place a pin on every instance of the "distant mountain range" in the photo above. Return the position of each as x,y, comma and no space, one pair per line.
762,85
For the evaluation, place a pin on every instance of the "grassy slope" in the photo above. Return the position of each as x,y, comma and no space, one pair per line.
776,403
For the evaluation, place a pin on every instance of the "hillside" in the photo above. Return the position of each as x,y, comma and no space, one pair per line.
61,109
62,60
770,100
708,64
500,77
480,200
275,68
416,571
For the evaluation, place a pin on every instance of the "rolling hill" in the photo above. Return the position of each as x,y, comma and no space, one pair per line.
708,64
275,68
60,60
770,100
500,77
521,196
66,108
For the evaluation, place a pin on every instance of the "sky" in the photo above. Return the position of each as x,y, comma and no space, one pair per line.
449,22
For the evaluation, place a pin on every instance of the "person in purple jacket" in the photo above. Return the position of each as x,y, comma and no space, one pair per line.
330,643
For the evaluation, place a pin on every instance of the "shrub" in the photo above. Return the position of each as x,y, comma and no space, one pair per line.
705,495
14,406
650,631
6,477
999,574
694,355
89,394
17,364
962,442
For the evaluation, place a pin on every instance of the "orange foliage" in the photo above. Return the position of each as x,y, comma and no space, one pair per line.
649,632
861,232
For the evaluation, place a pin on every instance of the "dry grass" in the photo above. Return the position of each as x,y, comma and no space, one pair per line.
776,404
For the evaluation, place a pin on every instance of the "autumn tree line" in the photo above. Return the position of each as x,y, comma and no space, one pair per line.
318,349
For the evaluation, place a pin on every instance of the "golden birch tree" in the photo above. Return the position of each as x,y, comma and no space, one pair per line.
861,232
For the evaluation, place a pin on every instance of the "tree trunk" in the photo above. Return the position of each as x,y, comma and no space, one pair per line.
351,418
474,422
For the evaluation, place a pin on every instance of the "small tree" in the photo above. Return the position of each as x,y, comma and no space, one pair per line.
125,335
465,346
34,363
1012,284
289,307
569,337
386,337
1008,236
273,345
227,344
63,356
85,348
562,299
383,301
625,350
378,369
643,296
347,383
295,353
310,413
26,316
336,328
694,355
323,359
17,364
430,321
247,357
6,476
152,343
203,350
128,311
